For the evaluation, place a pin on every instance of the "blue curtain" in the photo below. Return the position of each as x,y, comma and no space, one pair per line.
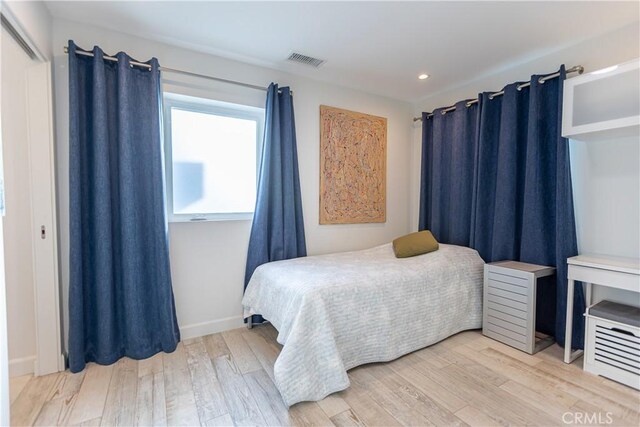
448,171
120,296
277,231
522,202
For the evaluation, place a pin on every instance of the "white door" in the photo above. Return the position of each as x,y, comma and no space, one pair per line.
43,220
33,319
4,353
18,249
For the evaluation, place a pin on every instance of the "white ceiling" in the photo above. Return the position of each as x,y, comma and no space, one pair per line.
379,47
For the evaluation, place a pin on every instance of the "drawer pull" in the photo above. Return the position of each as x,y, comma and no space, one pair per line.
622,331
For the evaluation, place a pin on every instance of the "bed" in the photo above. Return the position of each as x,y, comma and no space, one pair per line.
335,312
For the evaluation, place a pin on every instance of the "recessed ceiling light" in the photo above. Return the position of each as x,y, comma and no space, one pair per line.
423,76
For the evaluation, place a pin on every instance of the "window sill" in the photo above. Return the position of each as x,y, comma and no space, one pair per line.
212,218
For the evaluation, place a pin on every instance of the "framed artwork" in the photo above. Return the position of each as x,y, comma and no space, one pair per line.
353,163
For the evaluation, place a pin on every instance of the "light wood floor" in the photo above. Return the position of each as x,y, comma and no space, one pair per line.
226,379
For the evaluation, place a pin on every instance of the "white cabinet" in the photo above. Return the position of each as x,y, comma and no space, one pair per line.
509,312
603,104
612,344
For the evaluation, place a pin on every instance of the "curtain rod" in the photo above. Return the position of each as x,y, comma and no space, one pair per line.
576,69
172,70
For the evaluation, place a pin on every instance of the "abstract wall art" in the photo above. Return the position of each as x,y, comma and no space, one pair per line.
353,161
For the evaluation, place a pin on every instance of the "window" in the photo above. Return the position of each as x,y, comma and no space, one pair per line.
212,152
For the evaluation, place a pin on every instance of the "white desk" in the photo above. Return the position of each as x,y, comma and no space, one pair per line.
601,270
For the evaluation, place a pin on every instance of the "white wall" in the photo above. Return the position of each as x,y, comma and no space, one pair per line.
606,183
619,46
208,259
606,174
17,221
606,192
600,52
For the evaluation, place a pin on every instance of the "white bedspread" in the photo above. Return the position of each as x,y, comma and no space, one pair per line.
334,312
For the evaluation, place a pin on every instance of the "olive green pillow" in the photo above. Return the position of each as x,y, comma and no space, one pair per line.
413,244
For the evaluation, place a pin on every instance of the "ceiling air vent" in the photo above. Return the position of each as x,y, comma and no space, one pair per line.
306,60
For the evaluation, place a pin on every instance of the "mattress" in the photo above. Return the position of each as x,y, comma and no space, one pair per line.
334,312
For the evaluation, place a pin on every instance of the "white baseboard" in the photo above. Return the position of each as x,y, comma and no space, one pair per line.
58,366
212,327
27,365
22,366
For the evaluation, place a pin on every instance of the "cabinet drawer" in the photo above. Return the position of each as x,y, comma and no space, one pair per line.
612,350
617,345
627,335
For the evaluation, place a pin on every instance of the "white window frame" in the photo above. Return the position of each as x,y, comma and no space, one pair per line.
206,106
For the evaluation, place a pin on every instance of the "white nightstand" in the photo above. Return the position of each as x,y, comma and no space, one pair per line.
509,313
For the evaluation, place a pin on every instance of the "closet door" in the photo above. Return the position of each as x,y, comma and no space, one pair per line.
18,250
44,232
4,351
30,247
